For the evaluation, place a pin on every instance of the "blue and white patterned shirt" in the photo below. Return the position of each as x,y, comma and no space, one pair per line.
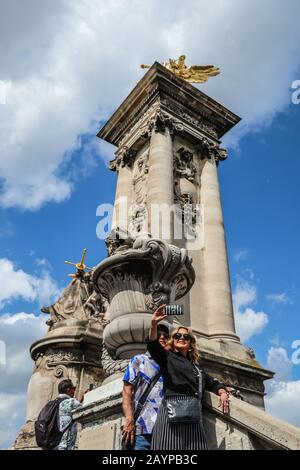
140,370
66,409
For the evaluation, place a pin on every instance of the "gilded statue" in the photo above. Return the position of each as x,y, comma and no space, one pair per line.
78,301
192,74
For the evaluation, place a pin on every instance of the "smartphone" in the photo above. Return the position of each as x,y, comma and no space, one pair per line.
91,386
173,310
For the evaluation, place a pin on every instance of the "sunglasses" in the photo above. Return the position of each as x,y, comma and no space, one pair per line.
185,336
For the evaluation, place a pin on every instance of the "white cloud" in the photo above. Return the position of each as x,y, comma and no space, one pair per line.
248,322
15,283
282,393
283,401
43,262
18,331
279,362
244,294
12,417
240,255
65,68
279,298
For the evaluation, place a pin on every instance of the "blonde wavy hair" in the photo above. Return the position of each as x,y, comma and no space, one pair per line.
193,352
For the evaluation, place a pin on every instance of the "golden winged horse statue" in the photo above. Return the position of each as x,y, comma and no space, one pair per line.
192,74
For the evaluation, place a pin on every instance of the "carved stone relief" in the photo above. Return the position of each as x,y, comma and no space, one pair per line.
110,364
118,240
78,301
186,189
138,210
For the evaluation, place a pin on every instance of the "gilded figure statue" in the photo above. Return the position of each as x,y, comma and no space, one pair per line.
192,74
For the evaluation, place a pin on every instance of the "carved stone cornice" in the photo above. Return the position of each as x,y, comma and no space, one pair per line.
157,85
191,118
133,120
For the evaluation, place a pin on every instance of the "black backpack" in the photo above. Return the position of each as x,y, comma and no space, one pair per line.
47,433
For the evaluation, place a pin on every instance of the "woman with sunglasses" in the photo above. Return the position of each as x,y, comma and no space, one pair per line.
183,382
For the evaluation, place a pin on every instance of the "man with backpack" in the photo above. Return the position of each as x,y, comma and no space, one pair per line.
68,404
142,396
54,428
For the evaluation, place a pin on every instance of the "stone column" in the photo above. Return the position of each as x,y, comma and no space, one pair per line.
217,302
160,183
123,198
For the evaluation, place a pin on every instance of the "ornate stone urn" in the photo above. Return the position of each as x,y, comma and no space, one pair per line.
135,281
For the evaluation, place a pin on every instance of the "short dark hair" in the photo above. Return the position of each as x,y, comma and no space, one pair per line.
64,385
163,328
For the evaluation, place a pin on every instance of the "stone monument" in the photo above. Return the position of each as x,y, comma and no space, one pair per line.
167,245
167,134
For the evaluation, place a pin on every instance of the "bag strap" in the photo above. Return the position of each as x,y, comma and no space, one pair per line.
199,381
145,395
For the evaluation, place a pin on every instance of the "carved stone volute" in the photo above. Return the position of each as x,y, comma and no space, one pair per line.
135,281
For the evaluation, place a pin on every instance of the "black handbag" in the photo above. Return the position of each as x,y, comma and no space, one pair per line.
185,409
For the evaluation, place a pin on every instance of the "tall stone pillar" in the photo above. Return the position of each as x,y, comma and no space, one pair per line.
123,197
217,301
161,184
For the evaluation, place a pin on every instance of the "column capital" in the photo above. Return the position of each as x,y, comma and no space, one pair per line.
210,151
160,122
124,156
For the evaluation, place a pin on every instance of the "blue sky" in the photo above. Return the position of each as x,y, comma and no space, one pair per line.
64,76
260,192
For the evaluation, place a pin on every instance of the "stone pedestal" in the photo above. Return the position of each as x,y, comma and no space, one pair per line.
247,427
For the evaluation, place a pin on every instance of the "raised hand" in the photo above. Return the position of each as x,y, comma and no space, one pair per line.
158,315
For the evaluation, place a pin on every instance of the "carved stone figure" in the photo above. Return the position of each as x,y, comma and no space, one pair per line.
77,301
184,166
139,179
118,240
